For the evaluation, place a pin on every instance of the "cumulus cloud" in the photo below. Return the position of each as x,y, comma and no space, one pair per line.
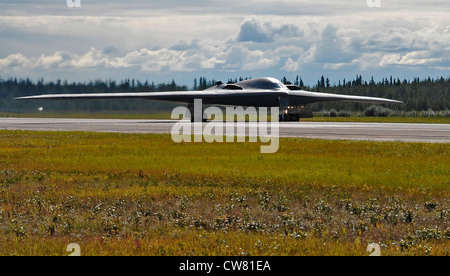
340,47
239,57
145,59
254,30
254,44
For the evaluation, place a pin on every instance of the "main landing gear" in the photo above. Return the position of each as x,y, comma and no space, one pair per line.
294,113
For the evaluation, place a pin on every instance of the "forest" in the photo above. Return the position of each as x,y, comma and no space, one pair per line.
429,94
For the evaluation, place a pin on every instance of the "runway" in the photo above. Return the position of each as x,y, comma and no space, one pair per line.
429,133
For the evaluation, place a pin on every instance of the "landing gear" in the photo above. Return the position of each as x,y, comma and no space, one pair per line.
294,117
294,113
286,115
289,118
284,109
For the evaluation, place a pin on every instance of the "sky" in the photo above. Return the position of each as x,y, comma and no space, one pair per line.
174,39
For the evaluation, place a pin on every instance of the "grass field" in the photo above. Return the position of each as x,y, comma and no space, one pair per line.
167,116
89,115
130,194
403,120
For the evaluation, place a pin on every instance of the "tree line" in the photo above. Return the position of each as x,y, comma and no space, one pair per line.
417,94
13,87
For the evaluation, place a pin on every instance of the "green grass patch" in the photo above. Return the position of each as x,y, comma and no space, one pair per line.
89,115
141,194
357,119
167,116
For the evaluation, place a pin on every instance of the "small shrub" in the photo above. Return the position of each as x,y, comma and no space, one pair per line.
444,114
412,113
429,113
431,205
344,113
333,113
377,111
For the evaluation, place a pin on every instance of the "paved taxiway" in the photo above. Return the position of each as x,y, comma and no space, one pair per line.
431,133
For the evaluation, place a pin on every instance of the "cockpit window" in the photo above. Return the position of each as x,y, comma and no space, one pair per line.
262,83
275,86
266,85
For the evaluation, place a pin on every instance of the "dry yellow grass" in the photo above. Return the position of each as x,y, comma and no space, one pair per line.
125,194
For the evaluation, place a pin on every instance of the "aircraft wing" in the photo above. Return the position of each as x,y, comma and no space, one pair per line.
305,97
210,96
137,95
257,97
